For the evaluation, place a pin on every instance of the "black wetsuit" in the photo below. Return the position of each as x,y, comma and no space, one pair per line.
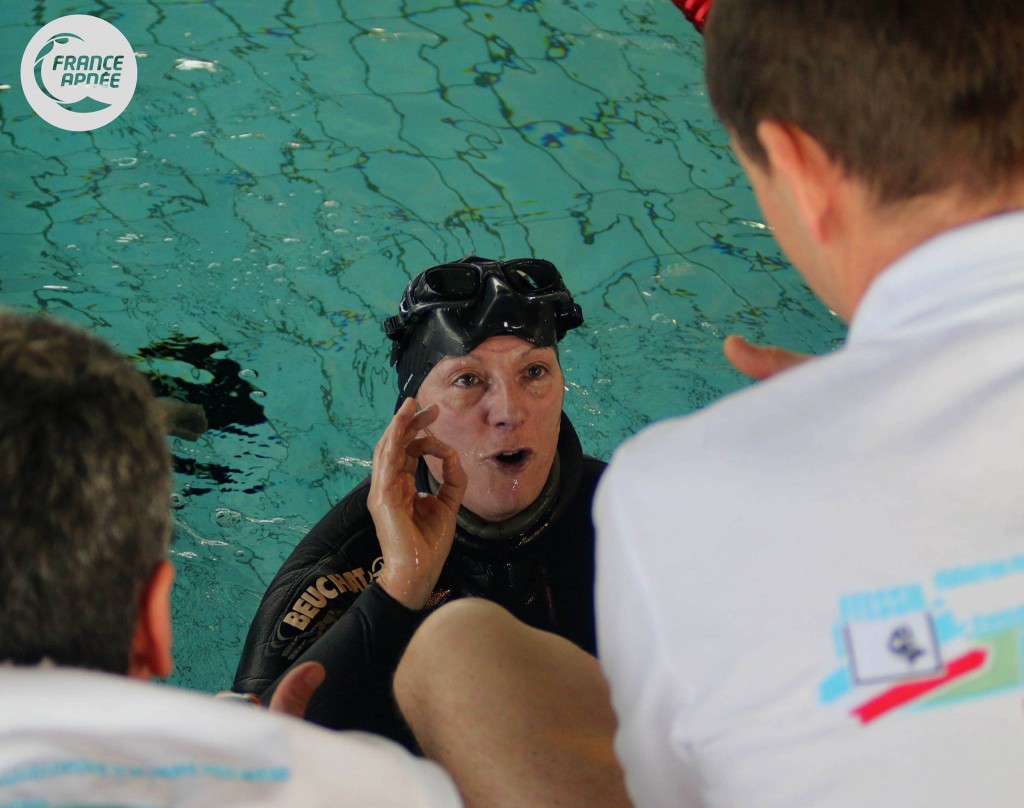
324,604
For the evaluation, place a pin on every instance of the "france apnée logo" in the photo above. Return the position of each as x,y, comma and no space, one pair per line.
78,73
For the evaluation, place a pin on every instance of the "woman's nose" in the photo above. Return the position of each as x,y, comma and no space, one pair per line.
506,404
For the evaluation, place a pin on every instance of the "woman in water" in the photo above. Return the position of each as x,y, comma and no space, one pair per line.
479,423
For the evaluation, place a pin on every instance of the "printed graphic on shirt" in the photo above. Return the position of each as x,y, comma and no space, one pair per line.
892,649
956,635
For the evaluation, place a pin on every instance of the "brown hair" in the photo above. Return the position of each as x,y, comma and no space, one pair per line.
84,495
910,96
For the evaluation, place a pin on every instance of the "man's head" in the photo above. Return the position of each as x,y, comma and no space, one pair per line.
84,504
910,96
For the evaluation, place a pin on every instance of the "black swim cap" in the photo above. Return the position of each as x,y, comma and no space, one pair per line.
449,309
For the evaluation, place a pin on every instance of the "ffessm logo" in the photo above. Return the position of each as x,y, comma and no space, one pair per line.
78,73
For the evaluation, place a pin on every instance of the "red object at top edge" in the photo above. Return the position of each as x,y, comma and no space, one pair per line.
696,11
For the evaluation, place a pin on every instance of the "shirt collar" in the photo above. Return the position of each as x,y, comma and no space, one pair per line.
944,274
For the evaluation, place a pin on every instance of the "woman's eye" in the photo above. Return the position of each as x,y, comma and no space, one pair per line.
467,380
536,371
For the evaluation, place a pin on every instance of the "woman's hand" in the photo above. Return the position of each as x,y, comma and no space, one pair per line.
415,530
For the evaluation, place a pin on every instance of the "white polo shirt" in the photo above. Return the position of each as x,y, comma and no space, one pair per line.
72,737
812,592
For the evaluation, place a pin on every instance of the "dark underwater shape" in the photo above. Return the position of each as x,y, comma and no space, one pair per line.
227,399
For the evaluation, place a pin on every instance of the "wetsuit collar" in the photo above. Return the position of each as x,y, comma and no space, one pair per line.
517,525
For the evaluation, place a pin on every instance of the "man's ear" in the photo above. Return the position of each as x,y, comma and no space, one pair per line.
151,643
810,177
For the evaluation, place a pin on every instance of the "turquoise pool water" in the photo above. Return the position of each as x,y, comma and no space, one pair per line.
285,167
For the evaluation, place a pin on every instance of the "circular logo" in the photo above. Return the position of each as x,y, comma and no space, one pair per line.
78,73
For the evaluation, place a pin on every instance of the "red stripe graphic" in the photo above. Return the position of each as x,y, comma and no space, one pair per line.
901,694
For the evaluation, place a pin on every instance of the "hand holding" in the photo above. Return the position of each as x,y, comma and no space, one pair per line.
415,529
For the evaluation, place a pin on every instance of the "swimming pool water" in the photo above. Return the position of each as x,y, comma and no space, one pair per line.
285,167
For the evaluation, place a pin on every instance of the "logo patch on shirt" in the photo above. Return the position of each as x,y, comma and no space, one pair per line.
945,640
893,649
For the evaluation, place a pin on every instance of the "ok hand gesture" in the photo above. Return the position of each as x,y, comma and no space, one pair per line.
415,530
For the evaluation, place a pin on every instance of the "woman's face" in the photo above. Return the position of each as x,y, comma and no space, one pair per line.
500,409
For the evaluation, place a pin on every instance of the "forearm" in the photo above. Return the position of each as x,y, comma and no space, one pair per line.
360,653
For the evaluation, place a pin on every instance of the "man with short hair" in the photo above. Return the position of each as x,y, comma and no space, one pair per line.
849,633
85,587
812,592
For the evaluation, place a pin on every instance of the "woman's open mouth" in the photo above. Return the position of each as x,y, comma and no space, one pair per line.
513,460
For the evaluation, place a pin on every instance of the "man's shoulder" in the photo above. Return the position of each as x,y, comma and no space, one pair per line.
113,733
775,409
742,437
